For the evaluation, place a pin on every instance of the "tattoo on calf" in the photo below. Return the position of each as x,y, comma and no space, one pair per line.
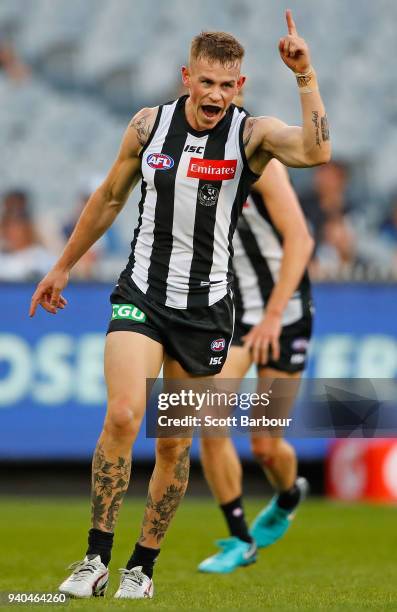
146,519
142,127
159,514
181,471
324,128
109,484
165,510
316,127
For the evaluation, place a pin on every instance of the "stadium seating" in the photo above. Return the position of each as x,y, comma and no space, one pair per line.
96,62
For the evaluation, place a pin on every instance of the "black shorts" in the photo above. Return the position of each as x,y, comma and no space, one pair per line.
198,338
294,344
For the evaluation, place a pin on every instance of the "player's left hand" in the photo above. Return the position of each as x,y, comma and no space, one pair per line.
263,335
293,49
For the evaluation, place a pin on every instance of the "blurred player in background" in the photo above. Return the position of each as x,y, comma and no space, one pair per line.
272,247
197,158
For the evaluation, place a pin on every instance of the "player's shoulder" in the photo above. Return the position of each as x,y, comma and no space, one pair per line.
143,122
261,125
256,130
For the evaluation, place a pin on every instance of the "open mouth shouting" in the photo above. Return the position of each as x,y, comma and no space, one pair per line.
211,111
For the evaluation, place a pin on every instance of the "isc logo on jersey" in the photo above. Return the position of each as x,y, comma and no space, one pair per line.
218,345
160,161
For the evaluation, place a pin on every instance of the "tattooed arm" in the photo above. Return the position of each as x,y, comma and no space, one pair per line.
142,124
304,146
99,213
107,201
294,146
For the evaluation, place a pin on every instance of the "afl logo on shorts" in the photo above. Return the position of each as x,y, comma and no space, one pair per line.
160,161
208,195
218,345
300,344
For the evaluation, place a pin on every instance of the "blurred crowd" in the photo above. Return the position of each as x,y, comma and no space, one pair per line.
350,244
347,247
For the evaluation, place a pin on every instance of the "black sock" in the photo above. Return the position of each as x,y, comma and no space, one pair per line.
234,515
288,500
100,543
146,557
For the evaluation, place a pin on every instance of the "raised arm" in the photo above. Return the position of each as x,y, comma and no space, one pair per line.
99,213
294,146
285,212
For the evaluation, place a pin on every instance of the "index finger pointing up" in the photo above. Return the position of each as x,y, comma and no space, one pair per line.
290,23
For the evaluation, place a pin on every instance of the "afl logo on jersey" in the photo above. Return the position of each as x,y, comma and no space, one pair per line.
160,161
208,195
218,345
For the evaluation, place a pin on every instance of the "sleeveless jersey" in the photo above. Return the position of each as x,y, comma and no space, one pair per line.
194,184
258,252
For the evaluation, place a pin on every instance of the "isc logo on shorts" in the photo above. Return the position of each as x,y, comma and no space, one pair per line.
218,345
160,161
297,359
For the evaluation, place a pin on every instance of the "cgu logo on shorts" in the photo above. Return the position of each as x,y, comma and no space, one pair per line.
128,311
160,161
218,345
214,169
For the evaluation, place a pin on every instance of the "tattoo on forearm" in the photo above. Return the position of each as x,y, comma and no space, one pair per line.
142,128
316,127
248,129
324,128
109,484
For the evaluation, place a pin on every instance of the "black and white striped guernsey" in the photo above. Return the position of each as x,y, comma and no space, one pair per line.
194,184
258,252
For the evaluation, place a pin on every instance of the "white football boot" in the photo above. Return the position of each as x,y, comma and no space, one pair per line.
89,579
134,584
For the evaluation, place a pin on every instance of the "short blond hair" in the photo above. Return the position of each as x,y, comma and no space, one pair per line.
217,46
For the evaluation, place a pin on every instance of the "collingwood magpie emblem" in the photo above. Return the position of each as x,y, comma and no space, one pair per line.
208,195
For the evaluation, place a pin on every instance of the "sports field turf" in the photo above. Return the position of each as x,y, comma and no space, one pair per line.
335,557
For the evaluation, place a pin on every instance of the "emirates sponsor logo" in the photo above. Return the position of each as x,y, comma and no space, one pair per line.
215,169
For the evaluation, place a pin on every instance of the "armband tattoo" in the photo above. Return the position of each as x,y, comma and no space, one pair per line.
304,80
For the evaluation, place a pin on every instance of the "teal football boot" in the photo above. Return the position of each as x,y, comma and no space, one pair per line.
271,524
234,553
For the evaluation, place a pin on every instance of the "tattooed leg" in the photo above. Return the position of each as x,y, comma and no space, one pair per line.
110,478
166,490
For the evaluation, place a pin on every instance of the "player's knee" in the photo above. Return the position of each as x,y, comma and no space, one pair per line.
121,419
170,450
265,450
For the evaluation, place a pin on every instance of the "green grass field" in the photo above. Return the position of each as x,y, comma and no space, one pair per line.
335,557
